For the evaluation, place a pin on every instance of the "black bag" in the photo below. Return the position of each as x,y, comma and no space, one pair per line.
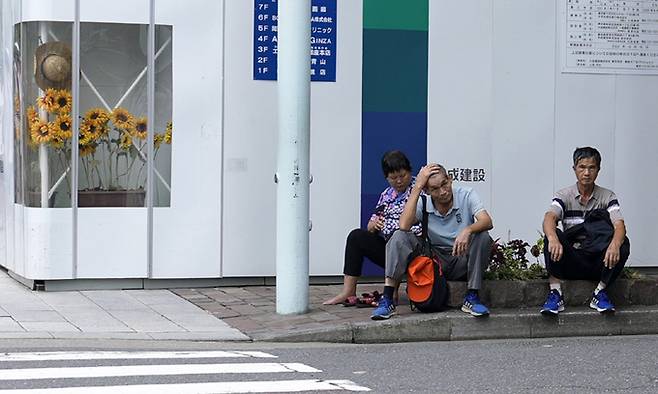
427,288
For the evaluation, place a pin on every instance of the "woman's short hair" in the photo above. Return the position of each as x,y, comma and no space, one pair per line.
393,161
586,153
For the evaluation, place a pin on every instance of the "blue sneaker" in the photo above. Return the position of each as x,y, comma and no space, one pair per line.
473,305
602,303
385,309
554,303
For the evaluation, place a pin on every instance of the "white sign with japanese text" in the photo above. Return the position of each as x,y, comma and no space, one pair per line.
609,36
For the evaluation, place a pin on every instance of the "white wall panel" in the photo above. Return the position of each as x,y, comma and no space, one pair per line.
112,243
49,10
523,116
459,99
636,161
336,147
48,243
250,127
250,151
585,115
186,235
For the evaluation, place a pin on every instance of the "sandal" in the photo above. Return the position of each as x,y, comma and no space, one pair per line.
369,300
350,301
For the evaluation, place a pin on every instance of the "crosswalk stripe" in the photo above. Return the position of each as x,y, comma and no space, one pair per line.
151,370
54,356
197,388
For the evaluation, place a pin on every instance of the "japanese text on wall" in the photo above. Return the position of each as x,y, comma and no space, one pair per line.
467,174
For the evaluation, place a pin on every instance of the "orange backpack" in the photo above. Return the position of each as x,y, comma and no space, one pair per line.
427,288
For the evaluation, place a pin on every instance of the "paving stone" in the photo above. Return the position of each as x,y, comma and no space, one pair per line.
267,308
264,291
222,314
184,292
243,324
323,316
65,298
245,309
7,324
261,302
141,321
114,300
38,316
49,326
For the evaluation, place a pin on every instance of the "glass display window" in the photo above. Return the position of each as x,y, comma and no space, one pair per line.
113,126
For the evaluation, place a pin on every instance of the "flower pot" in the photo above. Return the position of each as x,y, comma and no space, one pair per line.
33,199
111,198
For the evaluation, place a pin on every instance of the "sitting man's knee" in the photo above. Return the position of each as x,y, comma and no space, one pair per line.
401,236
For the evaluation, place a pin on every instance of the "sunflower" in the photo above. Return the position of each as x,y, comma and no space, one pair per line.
89,129
140,130
87,149
57,142
32,115
86,138
63,101
47,101
157,140
62,126
41,132
97,115
126,141
168,130
123,119
102,129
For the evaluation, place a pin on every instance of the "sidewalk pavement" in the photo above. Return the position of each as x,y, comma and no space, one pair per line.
252,310
114,314
249,313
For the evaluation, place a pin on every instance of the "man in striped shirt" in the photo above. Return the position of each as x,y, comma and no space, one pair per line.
563,254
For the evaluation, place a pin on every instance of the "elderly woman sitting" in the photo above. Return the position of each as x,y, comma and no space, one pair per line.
371,243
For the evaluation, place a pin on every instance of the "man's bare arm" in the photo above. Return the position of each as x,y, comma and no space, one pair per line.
550,226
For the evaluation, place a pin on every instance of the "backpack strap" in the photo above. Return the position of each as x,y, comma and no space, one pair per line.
427,243
425,217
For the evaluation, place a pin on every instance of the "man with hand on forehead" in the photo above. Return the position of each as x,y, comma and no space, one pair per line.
458,228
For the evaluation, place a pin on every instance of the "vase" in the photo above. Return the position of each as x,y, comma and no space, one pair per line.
111,198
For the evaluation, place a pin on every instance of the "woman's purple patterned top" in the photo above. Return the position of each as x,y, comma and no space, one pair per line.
390,206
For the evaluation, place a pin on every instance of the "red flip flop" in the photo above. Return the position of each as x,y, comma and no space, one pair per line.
369,300
350,301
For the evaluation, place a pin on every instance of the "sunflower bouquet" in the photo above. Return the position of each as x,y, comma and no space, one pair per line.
112,144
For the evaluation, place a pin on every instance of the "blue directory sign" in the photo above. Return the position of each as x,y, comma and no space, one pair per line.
322,45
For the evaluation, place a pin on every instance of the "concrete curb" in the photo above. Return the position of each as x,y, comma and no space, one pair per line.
502,324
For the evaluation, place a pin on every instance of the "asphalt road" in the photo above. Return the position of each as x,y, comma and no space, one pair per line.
579,365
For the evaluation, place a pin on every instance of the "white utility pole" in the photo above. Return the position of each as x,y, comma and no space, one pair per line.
292,204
